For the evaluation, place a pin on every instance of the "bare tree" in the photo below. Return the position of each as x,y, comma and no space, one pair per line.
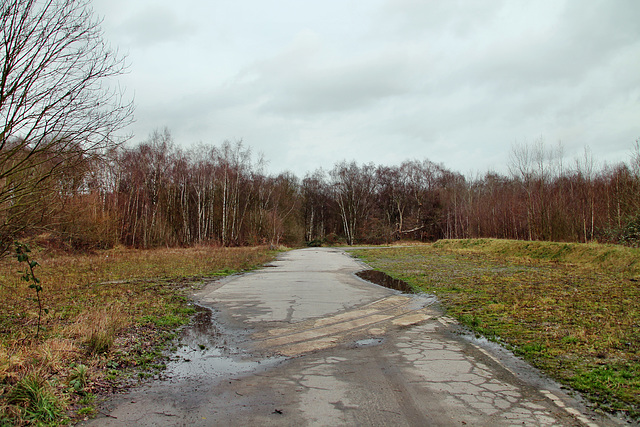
283,204
354,187
234,172
528,168
56,105
585,169
393,199
316,206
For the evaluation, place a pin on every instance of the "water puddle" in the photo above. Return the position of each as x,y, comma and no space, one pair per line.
205,351
369,342
383,279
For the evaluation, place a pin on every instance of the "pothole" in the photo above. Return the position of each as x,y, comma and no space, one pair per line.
383,279
205,351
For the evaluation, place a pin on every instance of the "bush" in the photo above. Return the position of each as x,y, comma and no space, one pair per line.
628,234
78,378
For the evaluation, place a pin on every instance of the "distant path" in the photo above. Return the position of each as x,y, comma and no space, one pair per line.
305,342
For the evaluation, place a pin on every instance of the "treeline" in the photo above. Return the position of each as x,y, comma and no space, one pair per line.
158,195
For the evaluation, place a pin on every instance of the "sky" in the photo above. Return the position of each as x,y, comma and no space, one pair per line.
308,84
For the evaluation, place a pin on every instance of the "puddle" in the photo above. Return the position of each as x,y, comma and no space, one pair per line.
192,364
206,351
383,279
369,342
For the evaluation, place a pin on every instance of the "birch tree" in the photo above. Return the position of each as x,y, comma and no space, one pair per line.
353,187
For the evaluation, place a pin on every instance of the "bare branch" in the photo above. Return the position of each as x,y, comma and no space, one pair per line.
58,105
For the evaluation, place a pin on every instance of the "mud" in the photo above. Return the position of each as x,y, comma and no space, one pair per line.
383,279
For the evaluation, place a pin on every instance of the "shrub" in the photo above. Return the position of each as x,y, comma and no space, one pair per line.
630,235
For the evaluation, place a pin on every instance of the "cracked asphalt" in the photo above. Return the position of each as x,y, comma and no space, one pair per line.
306,342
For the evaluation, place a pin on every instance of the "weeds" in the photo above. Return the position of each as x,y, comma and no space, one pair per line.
572,310
98,329
78,378
22,255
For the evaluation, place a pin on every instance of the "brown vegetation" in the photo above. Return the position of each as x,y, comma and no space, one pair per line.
107,309
156,195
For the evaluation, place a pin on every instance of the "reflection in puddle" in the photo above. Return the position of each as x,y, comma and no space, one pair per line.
383,279
205,352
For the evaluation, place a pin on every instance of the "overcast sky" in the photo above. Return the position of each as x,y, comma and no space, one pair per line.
310,83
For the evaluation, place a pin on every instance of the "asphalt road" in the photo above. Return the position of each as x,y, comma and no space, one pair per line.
306,342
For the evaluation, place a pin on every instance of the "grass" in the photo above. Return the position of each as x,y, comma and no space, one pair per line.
572,310
33,400
107,313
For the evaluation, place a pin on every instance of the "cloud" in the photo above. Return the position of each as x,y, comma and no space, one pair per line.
401,19
309,86
155,25
307,77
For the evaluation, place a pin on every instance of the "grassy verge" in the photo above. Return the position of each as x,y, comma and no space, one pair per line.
106,312
572,310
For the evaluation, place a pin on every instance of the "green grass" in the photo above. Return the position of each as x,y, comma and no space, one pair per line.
572,310
35,402
613,259
170,320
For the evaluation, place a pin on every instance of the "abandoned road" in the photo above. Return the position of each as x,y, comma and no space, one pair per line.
304,341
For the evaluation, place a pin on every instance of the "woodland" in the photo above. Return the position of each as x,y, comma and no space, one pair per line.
155,194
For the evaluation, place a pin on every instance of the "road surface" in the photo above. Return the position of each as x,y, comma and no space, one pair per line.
306,342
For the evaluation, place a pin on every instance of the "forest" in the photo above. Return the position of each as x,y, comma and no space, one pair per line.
155,194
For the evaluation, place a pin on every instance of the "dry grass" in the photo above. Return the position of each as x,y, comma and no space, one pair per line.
100,306
97,329
572,310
